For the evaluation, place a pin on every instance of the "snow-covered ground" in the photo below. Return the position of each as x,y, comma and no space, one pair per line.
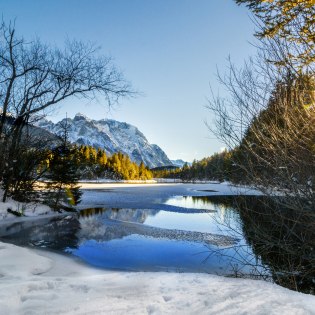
41,282
25,209
36,282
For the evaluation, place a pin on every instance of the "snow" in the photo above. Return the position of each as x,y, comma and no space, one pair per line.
31,214
26,209
173,187
41,282
113,182
44,283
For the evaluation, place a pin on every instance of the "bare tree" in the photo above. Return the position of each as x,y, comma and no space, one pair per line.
35,77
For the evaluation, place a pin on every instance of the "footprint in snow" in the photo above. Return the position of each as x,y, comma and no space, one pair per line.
167,298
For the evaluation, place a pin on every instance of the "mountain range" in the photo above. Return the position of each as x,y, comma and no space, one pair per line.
110,135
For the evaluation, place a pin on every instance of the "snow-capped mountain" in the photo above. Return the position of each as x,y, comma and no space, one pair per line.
179,163
111,135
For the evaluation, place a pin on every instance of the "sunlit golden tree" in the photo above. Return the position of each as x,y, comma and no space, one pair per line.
292,21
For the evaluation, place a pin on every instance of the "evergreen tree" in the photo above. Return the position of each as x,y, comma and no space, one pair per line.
292,21
63,175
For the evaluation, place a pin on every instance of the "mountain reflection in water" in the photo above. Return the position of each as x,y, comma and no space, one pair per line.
123,239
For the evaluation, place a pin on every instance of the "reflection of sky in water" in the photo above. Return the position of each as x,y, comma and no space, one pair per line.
132,251
136,252
141,253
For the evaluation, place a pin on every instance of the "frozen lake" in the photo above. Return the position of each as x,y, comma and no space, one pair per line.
151,228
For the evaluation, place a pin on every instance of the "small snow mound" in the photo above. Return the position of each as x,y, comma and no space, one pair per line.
18,262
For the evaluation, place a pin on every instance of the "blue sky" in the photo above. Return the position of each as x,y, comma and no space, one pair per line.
169,49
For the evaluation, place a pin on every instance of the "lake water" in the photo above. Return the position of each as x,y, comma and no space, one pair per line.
199,237
182,233
158,240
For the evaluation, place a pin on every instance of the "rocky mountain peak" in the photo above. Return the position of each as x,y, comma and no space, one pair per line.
111,135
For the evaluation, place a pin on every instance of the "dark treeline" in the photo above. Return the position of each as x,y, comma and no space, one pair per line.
219,166
276,149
